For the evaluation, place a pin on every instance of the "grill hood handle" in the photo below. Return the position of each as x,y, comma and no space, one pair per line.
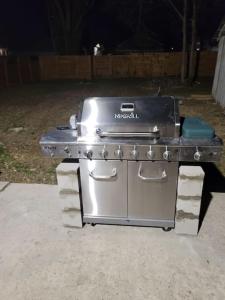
152,134
161,178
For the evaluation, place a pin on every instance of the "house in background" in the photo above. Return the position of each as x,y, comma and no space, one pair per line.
221,30
218,90
217,35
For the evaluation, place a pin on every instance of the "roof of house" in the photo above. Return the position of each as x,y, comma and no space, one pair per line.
220,31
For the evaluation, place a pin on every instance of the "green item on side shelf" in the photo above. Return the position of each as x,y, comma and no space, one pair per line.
196,128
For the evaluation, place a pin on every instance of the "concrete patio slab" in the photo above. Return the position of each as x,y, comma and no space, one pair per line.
40,259
3,185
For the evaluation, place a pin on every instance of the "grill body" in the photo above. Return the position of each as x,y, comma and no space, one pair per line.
129,149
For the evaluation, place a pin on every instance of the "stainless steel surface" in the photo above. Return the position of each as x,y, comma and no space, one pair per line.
152,190
106,117
63,143
104,191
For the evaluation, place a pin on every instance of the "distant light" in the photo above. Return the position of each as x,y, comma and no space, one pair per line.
172,48
3,51
197,49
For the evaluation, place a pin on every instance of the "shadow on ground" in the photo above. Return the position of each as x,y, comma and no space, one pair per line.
214,183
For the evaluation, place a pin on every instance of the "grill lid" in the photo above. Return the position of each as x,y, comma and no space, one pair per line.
129,117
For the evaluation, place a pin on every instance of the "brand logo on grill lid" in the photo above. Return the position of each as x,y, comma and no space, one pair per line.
126,116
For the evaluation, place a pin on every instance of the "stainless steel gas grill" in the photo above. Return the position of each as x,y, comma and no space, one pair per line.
129,149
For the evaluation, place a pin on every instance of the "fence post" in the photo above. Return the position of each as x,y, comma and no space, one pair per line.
19,70
41,68
5,66
30,69
91,63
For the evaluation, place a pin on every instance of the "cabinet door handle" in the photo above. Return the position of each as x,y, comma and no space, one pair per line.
161,178
103,177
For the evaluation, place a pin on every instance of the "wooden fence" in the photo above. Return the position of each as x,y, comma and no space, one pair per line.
18,70
30,69
218,90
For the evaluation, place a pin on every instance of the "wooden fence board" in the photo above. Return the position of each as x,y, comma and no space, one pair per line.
15,70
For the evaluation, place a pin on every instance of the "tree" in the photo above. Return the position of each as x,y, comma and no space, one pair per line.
66,21
192,61
183,18
131,14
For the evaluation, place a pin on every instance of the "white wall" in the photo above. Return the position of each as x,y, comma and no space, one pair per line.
218,90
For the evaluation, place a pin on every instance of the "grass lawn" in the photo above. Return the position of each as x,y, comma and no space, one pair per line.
41,106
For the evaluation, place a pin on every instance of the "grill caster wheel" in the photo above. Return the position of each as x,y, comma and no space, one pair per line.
166,229
93,224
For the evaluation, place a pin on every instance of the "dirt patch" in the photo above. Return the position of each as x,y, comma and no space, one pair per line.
36,108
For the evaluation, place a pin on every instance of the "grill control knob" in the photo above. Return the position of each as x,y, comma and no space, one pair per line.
104,153
167,155
119,153
134,153
150,154
88,154
67,151
197,155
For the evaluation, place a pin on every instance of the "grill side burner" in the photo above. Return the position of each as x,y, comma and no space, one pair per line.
129,149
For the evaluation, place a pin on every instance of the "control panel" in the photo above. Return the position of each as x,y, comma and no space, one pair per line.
134,152
129,152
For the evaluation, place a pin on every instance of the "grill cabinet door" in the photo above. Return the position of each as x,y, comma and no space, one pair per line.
104,187
152,190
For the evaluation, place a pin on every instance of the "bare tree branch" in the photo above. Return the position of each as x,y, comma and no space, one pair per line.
60,12
66,20
193,42
51,28
176,9
140,8
184,42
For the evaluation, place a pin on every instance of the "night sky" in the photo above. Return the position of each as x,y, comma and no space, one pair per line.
24,24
